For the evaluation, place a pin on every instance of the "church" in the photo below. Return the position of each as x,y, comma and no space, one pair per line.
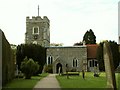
75,57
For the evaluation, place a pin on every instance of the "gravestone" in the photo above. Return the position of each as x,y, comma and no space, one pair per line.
83,74
109,67
118,69
67,69
96,71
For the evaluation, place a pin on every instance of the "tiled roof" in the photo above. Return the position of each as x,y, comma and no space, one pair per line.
91,50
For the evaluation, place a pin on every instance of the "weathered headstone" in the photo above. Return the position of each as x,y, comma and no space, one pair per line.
67,71
109,67
96,71
83,74
59,71
118,69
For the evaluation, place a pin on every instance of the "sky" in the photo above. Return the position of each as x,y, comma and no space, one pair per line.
69,19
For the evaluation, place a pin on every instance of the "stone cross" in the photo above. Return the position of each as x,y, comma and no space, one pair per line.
109,67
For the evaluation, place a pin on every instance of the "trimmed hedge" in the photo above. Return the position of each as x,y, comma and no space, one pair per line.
8,60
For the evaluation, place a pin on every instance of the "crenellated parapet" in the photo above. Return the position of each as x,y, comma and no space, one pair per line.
37,19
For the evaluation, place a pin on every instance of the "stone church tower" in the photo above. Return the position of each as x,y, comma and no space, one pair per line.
38,31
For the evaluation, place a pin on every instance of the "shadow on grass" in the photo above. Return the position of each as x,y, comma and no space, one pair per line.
23,84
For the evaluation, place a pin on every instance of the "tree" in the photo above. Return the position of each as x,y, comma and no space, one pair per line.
115,53
89,37
36,52
78,44
100,57
56,44
29,67
49,69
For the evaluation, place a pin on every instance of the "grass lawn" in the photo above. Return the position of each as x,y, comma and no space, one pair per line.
21,84
78,82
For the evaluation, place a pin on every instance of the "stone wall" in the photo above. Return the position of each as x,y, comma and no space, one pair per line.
66,55
7,59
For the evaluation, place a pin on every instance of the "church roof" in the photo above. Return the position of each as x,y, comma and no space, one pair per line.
66,47
91,51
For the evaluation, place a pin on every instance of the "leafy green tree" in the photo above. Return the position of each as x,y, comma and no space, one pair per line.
89,37
49,69
78,44
36,52
29,67
115,53
100,57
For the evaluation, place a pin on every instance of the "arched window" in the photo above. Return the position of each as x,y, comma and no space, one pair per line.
75,62
36,30
90,63
93,63
50,60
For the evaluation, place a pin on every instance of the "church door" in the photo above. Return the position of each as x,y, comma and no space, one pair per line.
59,68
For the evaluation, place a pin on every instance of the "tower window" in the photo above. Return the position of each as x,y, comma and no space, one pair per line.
36,30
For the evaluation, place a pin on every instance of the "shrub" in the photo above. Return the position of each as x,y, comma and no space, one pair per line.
49,69
34,51
29,67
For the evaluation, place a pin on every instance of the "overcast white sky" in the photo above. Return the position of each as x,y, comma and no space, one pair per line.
69,19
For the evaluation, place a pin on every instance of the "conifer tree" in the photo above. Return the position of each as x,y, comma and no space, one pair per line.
89,37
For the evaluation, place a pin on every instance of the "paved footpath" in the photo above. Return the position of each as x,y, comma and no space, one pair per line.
48,82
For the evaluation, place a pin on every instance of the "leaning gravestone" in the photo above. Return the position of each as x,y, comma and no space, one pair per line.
109,67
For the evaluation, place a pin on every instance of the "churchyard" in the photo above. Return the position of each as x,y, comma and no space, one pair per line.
21,83
73,82
89,82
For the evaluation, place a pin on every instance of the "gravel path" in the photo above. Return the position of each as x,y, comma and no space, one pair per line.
50,82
